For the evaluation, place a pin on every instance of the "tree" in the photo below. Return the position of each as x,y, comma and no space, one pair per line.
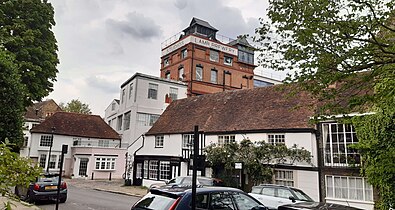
258,159
11,92
15,170
350,43
26,34
76,106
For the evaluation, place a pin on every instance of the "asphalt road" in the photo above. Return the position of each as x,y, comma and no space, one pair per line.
88,199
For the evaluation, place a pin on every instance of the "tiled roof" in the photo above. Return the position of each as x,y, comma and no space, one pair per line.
75,124
202,23
38,111
266,108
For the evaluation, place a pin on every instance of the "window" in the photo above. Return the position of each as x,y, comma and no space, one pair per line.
139,167
112,106
214,55
184,53
25,141
173,93
52,161
123,96
228,60
246,57
166,62
105,163
187,141
244,201
222,140
284,177
146,169
104,143
348,188
152,91
153,169
164,170
130,90
77,142
119,122
199,73
43,160
181,73
276,138
221,200
126,125
337,139
144,119
167,75
46,141
159,141
214,76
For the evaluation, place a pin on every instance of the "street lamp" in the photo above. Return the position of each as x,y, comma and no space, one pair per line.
50,148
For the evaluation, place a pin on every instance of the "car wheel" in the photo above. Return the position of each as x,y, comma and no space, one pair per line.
28,198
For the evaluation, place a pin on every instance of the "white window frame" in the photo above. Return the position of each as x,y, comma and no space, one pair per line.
119,122
164,170
173,93
153,170
184,53
46,141
130,90
146,169
214,78
345,189
276,138
180,73
43,160
123,96
145,119
226,139
159,141
105,163
153,91
126,119
228,60
199,73
103,143
335,140
166,61
139,167
187,141
284,177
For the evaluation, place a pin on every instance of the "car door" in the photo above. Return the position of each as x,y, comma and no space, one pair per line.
282,196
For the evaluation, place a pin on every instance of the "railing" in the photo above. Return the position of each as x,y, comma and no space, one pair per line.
105,144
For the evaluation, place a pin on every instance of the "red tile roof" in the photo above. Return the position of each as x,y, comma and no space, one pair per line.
75,124
39,111
267,108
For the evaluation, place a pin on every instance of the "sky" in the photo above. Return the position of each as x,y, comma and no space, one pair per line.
102,43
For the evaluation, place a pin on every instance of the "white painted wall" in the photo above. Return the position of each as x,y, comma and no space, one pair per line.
171,146
308,182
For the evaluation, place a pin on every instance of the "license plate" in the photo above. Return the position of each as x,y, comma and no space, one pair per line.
51,187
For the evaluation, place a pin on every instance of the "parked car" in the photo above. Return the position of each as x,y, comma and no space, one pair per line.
274,196
315,205
187,181
45,188
179,198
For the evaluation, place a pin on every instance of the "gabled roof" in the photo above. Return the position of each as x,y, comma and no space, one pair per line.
38,111
197,21
258,109
75,124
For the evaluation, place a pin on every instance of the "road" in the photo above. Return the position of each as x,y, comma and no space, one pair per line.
88,199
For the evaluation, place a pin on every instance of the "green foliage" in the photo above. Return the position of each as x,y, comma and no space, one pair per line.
26,33
11,92
326,42
15,170
258,158
76,106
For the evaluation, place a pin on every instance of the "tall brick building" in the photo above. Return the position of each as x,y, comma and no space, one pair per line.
206,61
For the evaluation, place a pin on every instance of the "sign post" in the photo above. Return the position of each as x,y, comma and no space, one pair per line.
64,151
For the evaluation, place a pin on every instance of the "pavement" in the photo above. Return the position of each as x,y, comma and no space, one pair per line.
113,186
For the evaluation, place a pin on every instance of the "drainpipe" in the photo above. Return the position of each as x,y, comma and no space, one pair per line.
191,80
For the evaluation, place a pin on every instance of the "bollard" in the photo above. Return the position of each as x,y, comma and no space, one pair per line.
110,177
92,176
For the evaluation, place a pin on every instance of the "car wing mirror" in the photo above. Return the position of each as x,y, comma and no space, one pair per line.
292,199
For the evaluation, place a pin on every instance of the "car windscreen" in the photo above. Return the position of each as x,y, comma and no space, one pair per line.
154,201
301,195
47,179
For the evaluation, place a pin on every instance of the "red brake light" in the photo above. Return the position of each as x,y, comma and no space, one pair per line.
64,185
36,187
174,205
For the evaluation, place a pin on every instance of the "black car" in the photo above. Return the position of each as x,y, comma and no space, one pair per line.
315,205
179,198
45,188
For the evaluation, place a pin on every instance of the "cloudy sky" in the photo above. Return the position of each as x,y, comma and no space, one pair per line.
102,43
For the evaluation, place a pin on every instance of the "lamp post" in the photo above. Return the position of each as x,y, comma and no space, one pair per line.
50,148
